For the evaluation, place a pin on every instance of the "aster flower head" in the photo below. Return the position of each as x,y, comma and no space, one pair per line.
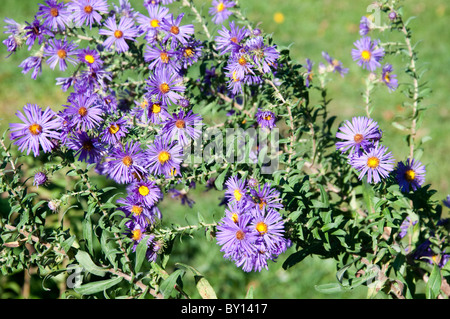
164,156
189,53
236,189
138,212
36,31
263,55
388,78
405,226
90,57
153,22
88,12
161,57
119,33
410,175
40,178
269,226
115,131
377,163
55,15
240,65
124,9
334,65
183,127
175,31
357,134
367,53
34,64
219,10
165,86
265,197
88,148
60,52
364,26
265,119
309,72
37,129
231,40
145,191
85,111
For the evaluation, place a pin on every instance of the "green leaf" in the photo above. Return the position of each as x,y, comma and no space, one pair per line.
85,260
97,286
434,283
249,294
168,285
203,286
329,288
141,251
220,179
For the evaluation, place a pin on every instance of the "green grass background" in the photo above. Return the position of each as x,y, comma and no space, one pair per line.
309,27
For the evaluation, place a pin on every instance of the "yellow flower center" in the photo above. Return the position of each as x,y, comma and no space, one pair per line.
154,23
118,34
143,190
174,30
164,88
82,111
358,138
88,9
242,61
235,218
235,78
164,57
387,77
54,12
180,124
268,117
366,55
137,234
410,175
261,227
237,194
240,235
127,161
89,58
35,129
373,162
114,128
163,157
136,210
62,54
188,52
234,39
156,108
220,7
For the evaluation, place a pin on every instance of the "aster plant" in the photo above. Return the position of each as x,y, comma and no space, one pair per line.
168,109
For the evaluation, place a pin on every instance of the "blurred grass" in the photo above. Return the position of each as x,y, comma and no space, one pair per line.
308,28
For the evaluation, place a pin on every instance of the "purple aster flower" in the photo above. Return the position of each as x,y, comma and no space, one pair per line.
183,127
11,44
364,26
164,86
145,191
263,55
410,175
88,12
265,197
37,129
125,10
367,53
334,64
85,111
88,149
60,51
160,57
113,133
32,63
236,189
235,208
189,53
230,40
157,112
138,211
92,79
376,163
55,15
219,10
269,226
309,73
12,27
392,15
425,252
34,31
240,65
265,119
178,34
153,22
137,234
118,34
91,58
165,157
126,164
388,78
40,178
182,195
405,226
360,133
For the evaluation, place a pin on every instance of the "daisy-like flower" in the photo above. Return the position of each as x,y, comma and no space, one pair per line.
32,63
377,163
85,111
145,191
219,10
269,226
265,119
334,65
125,9
88,12
37,129
263,55
309,72
60,52
236,189
367,53
178,33
230,40
114,132
40,178
265,197
189,53
153,22
357,134
163,85
88,149
36,31
405,226
364,26
160,57
164,157
90,57
240,65
138,212
388,78
118,34
55,15
410,175
183,127
126,164
157,112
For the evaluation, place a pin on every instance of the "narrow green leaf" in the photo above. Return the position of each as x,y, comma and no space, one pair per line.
168,285
98,286
329,288
141,251
434,283
85,260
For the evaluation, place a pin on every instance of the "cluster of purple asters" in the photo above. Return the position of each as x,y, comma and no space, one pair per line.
252,231
361,138
96,125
